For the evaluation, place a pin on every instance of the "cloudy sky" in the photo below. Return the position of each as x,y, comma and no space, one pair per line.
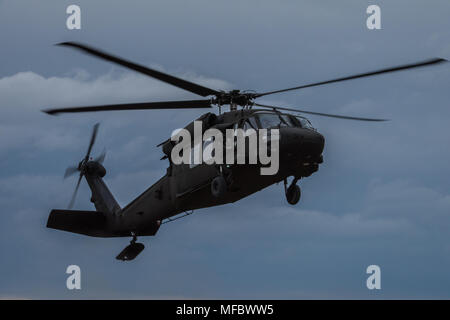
381,197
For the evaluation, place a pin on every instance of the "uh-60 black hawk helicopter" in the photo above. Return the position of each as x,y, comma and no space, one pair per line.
184,187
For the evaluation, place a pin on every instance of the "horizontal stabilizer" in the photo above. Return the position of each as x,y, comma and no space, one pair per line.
90,223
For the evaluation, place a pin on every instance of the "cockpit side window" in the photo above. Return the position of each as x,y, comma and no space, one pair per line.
250,123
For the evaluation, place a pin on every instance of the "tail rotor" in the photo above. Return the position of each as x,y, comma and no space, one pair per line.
81,168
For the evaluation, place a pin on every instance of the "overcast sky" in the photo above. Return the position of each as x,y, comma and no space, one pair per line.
380,197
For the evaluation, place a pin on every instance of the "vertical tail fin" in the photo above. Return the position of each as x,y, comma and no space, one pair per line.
102,198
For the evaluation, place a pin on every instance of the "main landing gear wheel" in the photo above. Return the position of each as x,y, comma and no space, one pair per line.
293,193
131,251
218,186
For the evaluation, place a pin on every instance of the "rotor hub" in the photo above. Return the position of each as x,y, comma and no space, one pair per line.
234,97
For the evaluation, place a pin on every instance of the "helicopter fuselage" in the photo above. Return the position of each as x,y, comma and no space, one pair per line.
186,187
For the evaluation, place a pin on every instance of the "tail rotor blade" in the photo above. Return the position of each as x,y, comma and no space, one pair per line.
72,201
91,143
101,157
70,171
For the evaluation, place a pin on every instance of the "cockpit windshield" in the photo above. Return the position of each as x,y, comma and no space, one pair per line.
305,123
269,120
278,120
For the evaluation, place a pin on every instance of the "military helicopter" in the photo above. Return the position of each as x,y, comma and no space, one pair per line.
184,187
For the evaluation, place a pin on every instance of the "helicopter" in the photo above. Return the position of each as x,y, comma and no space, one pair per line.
186,187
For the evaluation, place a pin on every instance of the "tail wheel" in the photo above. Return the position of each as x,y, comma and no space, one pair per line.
293,194
218,186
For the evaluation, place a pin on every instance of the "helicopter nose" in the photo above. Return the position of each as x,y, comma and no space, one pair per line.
312,143
302,142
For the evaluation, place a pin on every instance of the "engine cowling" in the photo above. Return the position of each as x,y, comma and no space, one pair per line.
208,120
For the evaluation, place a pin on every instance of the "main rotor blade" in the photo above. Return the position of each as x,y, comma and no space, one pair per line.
186,104
91,143
362,75
72,201
320,113
180,83
70,171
